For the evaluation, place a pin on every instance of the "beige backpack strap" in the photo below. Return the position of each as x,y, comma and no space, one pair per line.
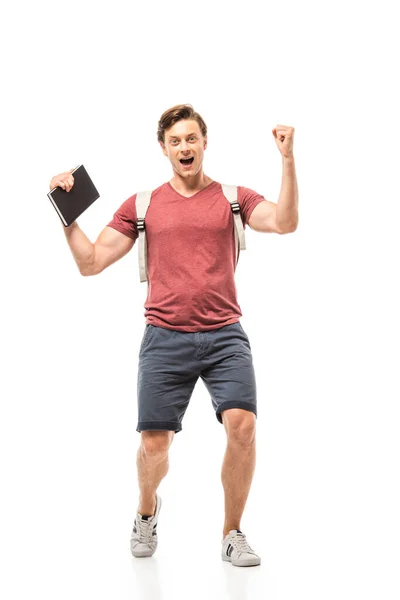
230,192
142,204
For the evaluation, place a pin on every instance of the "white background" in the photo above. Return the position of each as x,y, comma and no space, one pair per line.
86,82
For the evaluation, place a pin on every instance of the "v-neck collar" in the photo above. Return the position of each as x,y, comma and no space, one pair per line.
189,197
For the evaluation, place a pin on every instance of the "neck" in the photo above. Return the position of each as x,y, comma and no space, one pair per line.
190,185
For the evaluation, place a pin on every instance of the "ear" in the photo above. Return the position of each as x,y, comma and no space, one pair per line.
163,148
205,143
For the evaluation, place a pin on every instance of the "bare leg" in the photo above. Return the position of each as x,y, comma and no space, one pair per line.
238,465
152,465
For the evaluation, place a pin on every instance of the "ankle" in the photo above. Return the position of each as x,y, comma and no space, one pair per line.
226,530
147,506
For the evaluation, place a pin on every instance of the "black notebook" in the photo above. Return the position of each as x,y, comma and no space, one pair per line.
69,205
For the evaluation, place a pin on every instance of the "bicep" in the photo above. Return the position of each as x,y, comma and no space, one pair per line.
263,217
110,246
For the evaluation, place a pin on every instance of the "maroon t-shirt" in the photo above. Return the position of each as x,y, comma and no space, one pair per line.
191,258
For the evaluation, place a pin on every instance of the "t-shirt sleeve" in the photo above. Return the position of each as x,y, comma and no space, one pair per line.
125,218
248,200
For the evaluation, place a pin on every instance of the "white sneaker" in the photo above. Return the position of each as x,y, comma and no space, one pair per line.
144,534
236,550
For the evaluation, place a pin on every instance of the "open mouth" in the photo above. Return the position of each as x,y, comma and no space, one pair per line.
186,161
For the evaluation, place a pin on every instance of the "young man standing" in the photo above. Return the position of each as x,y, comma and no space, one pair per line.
192,314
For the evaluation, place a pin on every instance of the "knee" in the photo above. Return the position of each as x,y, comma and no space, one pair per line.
240,426
156,443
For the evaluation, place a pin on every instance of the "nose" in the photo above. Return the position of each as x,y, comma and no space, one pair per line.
184,147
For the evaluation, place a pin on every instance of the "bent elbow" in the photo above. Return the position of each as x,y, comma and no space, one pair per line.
87,271
290,228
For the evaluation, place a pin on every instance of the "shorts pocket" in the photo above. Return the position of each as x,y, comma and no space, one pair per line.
146,337
245,335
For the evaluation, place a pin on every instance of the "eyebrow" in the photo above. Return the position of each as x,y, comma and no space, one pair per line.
177,136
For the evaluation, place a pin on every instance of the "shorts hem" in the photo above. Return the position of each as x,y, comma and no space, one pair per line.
235,404
159,426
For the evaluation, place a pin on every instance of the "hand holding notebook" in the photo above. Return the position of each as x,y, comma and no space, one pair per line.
71,193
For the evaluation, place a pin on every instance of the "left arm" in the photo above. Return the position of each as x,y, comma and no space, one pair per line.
287,208
283,216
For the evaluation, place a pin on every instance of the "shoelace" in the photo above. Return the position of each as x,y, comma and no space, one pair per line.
240,543
145,530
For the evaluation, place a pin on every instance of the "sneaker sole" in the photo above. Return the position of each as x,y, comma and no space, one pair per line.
248,562
144,554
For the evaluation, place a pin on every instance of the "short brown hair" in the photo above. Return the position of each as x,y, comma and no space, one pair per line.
175,114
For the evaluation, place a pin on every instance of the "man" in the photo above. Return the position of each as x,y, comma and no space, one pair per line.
192,315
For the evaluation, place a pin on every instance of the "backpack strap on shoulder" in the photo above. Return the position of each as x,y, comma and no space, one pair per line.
142,204
231,192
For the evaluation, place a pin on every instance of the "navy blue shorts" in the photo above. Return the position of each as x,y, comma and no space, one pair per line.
170,363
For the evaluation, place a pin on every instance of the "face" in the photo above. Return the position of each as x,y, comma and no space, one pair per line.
182,141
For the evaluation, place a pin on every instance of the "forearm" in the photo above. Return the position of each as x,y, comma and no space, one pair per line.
287,207
81,247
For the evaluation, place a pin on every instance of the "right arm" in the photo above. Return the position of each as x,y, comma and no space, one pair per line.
110,246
